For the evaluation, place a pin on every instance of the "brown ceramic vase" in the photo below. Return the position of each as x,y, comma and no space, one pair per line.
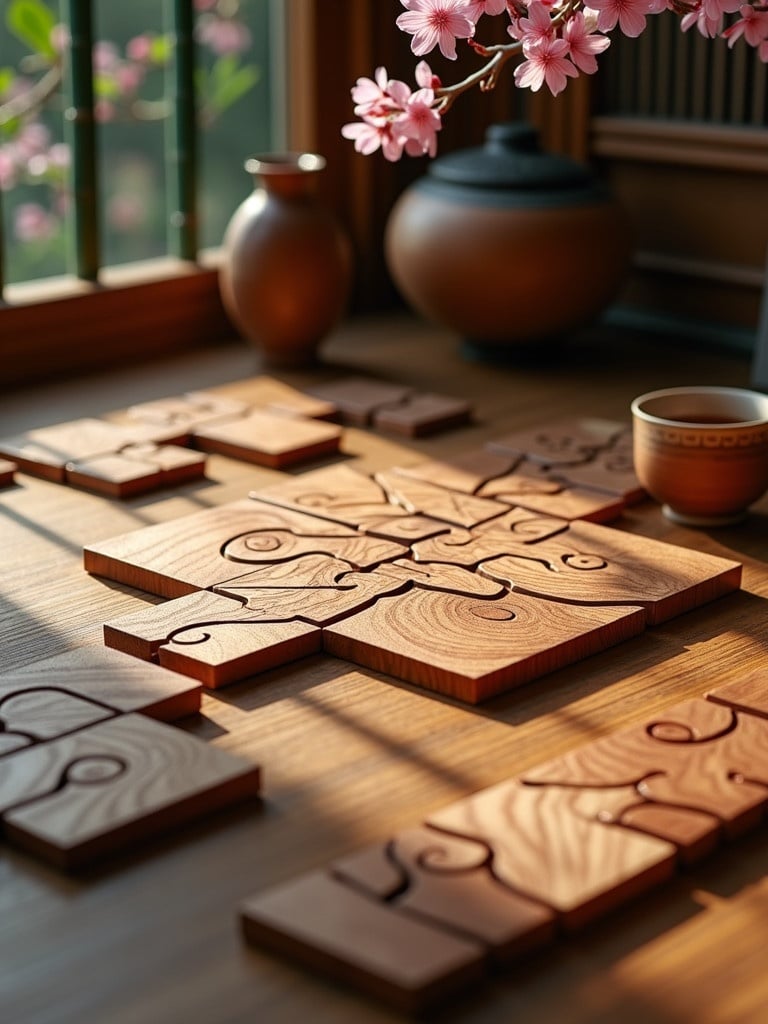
506,244
287,266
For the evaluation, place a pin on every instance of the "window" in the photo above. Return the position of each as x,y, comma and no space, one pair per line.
112,201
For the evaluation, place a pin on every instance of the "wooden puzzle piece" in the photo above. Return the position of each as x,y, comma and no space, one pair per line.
182,413
466,472
472,648
514,530
211,637
418,496
404,529
45,451
90,793
698,755
449,880
314,589
269,438
563,442
273,546
175,558
748,694
358,398
594,564
7,472
572,839
543,494
422,414
108,680
136,469
339,493
551,843
611,471
275,395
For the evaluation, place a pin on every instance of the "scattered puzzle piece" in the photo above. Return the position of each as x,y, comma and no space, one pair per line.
422,414
563,844
358,398
183,413
92,792
269,439
466,472
108,680
418,496
45,451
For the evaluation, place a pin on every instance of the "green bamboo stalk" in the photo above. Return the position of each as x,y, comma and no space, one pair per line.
181,134
81,135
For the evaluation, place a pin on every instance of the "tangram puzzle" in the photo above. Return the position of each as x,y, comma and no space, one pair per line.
88,763
467,587
414,918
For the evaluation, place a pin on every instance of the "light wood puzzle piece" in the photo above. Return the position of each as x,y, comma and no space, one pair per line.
79,797
698,755
540,493
277,546
102,682
136,469
453,507
422,414
550,844
212,638
269,438
7,472
314,588
568,441
175,558
449,880
334,929
472,648
182,413
593,564
465,472
339,493
358,398
748,694
45,451
611,471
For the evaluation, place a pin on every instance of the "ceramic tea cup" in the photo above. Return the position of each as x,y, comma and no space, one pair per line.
702,451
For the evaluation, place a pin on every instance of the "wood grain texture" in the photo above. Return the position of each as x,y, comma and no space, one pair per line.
108,680
117,476
45,451
750,693
589,563
418,496
471,648
698,755
449,880
269,439
95,791
541,493
565,441
182,413
465,471
172,559
336,930
548,842
212,637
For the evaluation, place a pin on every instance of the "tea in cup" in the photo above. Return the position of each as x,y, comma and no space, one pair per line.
702,451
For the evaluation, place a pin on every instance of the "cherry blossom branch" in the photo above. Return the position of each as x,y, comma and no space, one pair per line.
34,98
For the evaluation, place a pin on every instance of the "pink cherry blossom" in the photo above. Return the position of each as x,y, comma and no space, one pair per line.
139,48
480,7
629,15
583,44
436,23
419,123
8,169
223,35
753,26
33,223
537,26
369,136
547,61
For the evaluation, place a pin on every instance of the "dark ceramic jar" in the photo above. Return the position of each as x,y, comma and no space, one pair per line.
506,244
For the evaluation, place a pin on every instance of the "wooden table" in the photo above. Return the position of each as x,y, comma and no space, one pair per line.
349,756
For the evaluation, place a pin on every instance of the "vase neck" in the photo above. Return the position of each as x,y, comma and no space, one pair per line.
287,175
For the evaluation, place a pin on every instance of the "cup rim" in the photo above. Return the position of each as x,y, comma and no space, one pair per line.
649,417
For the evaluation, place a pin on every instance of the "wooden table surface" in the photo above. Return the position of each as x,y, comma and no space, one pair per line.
350,755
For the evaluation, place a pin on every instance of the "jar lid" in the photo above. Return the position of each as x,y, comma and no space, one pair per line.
511,158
